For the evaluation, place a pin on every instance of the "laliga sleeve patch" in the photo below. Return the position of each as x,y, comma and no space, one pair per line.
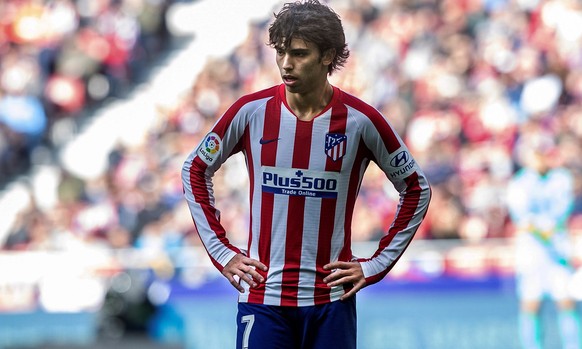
401,164
210,148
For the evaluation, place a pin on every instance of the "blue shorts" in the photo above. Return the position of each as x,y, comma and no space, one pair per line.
331,325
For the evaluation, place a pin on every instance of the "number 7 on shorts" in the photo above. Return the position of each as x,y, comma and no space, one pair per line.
249,320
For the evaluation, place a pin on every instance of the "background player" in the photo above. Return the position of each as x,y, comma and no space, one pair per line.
307,144
540,198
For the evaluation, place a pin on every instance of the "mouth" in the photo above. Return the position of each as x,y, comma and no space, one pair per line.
289,79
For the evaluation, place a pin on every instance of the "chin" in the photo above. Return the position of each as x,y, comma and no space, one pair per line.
291,89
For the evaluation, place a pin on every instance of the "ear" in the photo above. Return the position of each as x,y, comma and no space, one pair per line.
328,56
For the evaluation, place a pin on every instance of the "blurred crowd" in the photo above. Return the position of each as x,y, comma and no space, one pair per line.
59,58
467,83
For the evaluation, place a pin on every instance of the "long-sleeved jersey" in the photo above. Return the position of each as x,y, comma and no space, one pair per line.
540,205
304,179
541,202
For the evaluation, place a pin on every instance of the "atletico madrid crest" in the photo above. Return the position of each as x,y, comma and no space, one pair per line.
335,145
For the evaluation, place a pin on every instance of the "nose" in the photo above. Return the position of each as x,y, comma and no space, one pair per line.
286,62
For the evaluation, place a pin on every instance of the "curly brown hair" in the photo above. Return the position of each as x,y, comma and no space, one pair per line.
311,21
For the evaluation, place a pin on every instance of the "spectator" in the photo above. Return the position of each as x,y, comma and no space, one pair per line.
457,79
60,57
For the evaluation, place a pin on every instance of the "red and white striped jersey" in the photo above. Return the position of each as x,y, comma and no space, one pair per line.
304,179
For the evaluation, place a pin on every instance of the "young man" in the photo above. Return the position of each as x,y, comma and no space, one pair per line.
307,145
540,199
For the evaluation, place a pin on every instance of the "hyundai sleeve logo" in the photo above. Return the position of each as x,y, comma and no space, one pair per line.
400,159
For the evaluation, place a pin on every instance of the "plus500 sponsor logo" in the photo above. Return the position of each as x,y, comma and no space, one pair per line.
295,182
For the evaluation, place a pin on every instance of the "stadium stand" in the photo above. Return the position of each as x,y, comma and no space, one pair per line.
468,84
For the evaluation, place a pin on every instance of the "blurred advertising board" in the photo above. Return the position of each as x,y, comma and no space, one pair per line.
49,297
50,281
442,294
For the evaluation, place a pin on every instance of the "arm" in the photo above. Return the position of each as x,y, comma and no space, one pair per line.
392,156
414,192
560,206
197,173
221,142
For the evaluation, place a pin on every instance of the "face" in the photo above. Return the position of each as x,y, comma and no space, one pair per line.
539,161
302,68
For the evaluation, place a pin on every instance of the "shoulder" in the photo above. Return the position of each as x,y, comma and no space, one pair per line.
254,100
524,174
561,174
358,105
369,119
261,94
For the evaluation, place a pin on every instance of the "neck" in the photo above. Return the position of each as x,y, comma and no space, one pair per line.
307,106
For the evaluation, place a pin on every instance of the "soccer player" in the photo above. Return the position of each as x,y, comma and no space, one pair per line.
540,198
307,144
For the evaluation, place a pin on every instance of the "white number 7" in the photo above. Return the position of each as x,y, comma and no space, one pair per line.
250,320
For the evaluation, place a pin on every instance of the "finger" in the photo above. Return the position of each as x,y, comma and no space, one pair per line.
349,294
250,269
256,276
353,291
245,277
235,276
337,274
333,276
255,263
338,265
331,266
340,281
235,283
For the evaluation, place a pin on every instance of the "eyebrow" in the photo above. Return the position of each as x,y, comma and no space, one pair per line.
299,50
293,50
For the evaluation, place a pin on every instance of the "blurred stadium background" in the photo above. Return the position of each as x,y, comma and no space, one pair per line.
101,101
